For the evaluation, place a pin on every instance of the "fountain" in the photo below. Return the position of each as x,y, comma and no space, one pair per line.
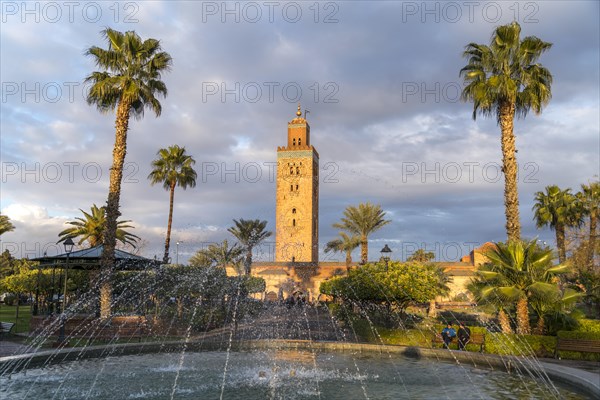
282,352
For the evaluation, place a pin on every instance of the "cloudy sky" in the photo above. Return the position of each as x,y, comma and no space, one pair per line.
380,79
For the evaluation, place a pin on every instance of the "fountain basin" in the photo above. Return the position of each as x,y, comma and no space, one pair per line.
275,369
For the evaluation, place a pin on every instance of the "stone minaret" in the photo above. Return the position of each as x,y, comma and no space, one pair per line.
297,209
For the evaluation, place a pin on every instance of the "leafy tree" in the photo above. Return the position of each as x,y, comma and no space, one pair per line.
344,244
129,80
5,225
504,79
558,209
395,286
7,264
91,227
172,168
421,256
249,233
361,221
518,271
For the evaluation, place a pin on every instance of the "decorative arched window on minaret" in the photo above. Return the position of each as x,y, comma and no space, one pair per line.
299,161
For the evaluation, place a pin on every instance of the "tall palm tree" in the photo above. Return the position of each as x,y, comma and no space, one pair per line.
558,209
249,233
129,80
518,271
5,225
91,227
504,80
361,221
345,244
172,168
589,199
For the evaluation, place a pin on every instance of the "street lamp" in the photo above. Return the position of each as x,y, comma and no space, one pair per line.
385,255
177,252
68,249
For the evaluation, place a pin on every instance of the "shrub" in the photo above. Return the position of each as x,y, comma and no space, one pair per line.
589,325
10,300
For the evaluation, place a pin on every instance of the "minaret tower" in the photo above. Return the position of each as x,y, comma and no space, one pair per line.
297,209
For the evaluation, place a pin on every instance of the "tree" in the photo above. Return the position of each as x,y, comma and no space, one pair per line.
91,227
249,233
504,80
129,80
558,209
517,271
394,286
220,255
5,225
361,221
421,256
345,244
589,200
172,168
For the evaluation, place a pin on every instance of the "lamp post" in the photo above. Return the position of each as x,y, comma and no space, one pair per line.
177,252
385,255
68,249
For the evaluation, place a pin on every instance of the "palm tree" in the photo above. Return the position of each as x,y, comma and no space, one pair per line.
220,255
421,256
558,209
5,225
518,271
504,79
250,233
129,79
172,168
589,199
361,221
91,227
345,244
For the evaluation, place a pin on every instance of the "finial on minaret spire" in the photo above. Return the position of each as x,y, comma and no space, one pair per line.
299,113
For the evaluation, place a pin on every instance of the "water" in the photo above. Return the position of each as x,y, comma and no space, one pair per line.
269,374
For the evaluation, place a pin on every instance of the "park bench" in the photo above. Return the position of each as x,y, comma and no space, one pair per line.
5,327
476,339
119,328
580,345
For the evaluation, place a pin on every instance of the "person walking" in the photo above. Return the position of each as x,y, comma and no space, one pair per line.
464,336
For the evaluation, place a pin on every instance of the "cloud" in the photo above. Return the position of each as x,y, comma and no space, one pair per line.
380,80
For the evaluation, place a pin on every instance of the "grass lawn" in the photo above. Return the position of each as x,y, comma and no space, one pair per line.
8,314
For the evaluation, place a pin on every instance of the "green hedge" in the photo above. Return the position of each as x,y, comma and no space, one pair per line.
527,345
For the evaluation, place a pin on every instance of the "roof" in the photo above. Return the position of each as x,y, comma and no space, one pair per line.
90,259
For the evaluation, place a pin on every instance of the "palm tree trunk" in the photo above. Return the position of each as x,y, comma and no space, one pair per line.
592,240
540,326
348,260
504,322
431,311
509,167
560,242
169,223
364,250
523,327
112,207
248,262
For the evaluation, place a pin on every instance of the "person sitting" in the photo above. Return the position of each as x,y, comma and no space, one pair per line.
464,336
448,333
